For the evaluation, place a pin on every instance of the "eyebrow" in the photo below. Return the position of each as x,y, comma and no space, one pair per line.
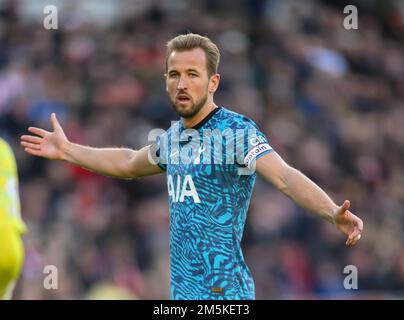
188,70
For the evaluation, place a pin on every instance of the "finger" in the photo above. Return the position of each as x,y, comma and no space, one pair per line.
353,240
354,237
38,131
33,152
32,139
357,232
349,242
31,145
54,120
360,224
351,237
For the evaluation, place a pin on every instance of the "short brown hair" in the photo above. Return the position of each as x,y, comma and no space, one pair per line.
189,41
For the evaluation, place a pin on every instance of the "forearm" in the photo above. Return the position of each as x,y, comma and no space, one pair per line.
112,162
307,194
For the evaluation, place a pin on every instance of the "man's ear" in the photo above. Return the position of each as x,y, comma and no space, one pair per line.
214,83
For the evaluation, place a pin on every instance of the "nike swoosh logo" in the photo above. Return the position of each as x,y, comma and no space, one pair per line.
173,154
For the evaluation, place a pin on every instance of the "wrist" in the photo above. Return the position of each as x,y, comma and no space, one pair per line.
334,213
65,151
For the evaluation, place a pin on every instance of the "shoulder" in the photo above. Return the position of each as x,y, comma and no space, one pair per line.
234,120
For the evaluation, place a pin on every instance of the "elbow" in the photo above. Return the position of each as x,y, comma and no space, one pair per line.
129,175
125,174
282,183
283,187
128,170
133,176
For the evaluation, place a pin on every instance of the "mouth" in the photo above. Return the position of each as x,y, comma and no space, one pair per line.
183,98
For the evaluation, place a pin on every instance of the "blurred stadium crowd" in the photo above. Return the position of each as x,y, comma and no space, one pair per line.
330,100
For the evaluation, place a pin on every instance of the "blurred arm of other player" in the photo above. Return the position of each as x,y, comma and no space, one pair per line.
114,162
310,196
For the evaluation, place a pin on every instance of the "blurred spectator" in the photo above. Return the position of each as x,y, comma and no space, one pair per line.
330,100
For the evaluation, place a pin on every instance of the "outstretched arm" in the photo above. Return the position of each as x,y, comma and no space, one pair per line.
310,196
115,162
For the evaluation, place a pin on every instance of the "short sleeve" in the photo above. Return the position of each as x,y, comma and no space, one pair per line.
255,145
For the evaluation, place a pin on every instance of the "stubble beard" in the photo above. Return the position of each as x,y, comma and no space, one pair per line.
191,111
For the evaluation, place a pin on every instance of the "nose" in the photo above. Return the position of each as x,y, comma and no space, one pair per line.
182,83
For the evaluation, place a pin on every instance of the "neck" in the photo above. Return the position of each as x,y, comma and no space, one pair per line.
205,110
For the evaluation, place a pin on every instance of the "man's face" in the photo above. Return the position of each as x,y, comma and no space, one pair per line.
187,81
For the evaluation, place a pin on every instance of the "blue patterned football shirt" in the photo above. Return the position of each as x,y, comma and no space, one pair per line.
210,178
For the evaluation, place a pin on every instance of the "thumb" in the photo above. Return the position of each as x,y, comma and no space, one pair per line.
55,122
345,206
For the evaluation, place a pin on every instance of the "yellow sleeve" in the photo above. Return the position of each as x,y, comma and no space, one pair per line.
10,208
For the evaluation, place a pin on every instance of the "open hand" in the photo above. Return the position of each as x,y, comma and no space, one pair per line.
44,143
348,223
